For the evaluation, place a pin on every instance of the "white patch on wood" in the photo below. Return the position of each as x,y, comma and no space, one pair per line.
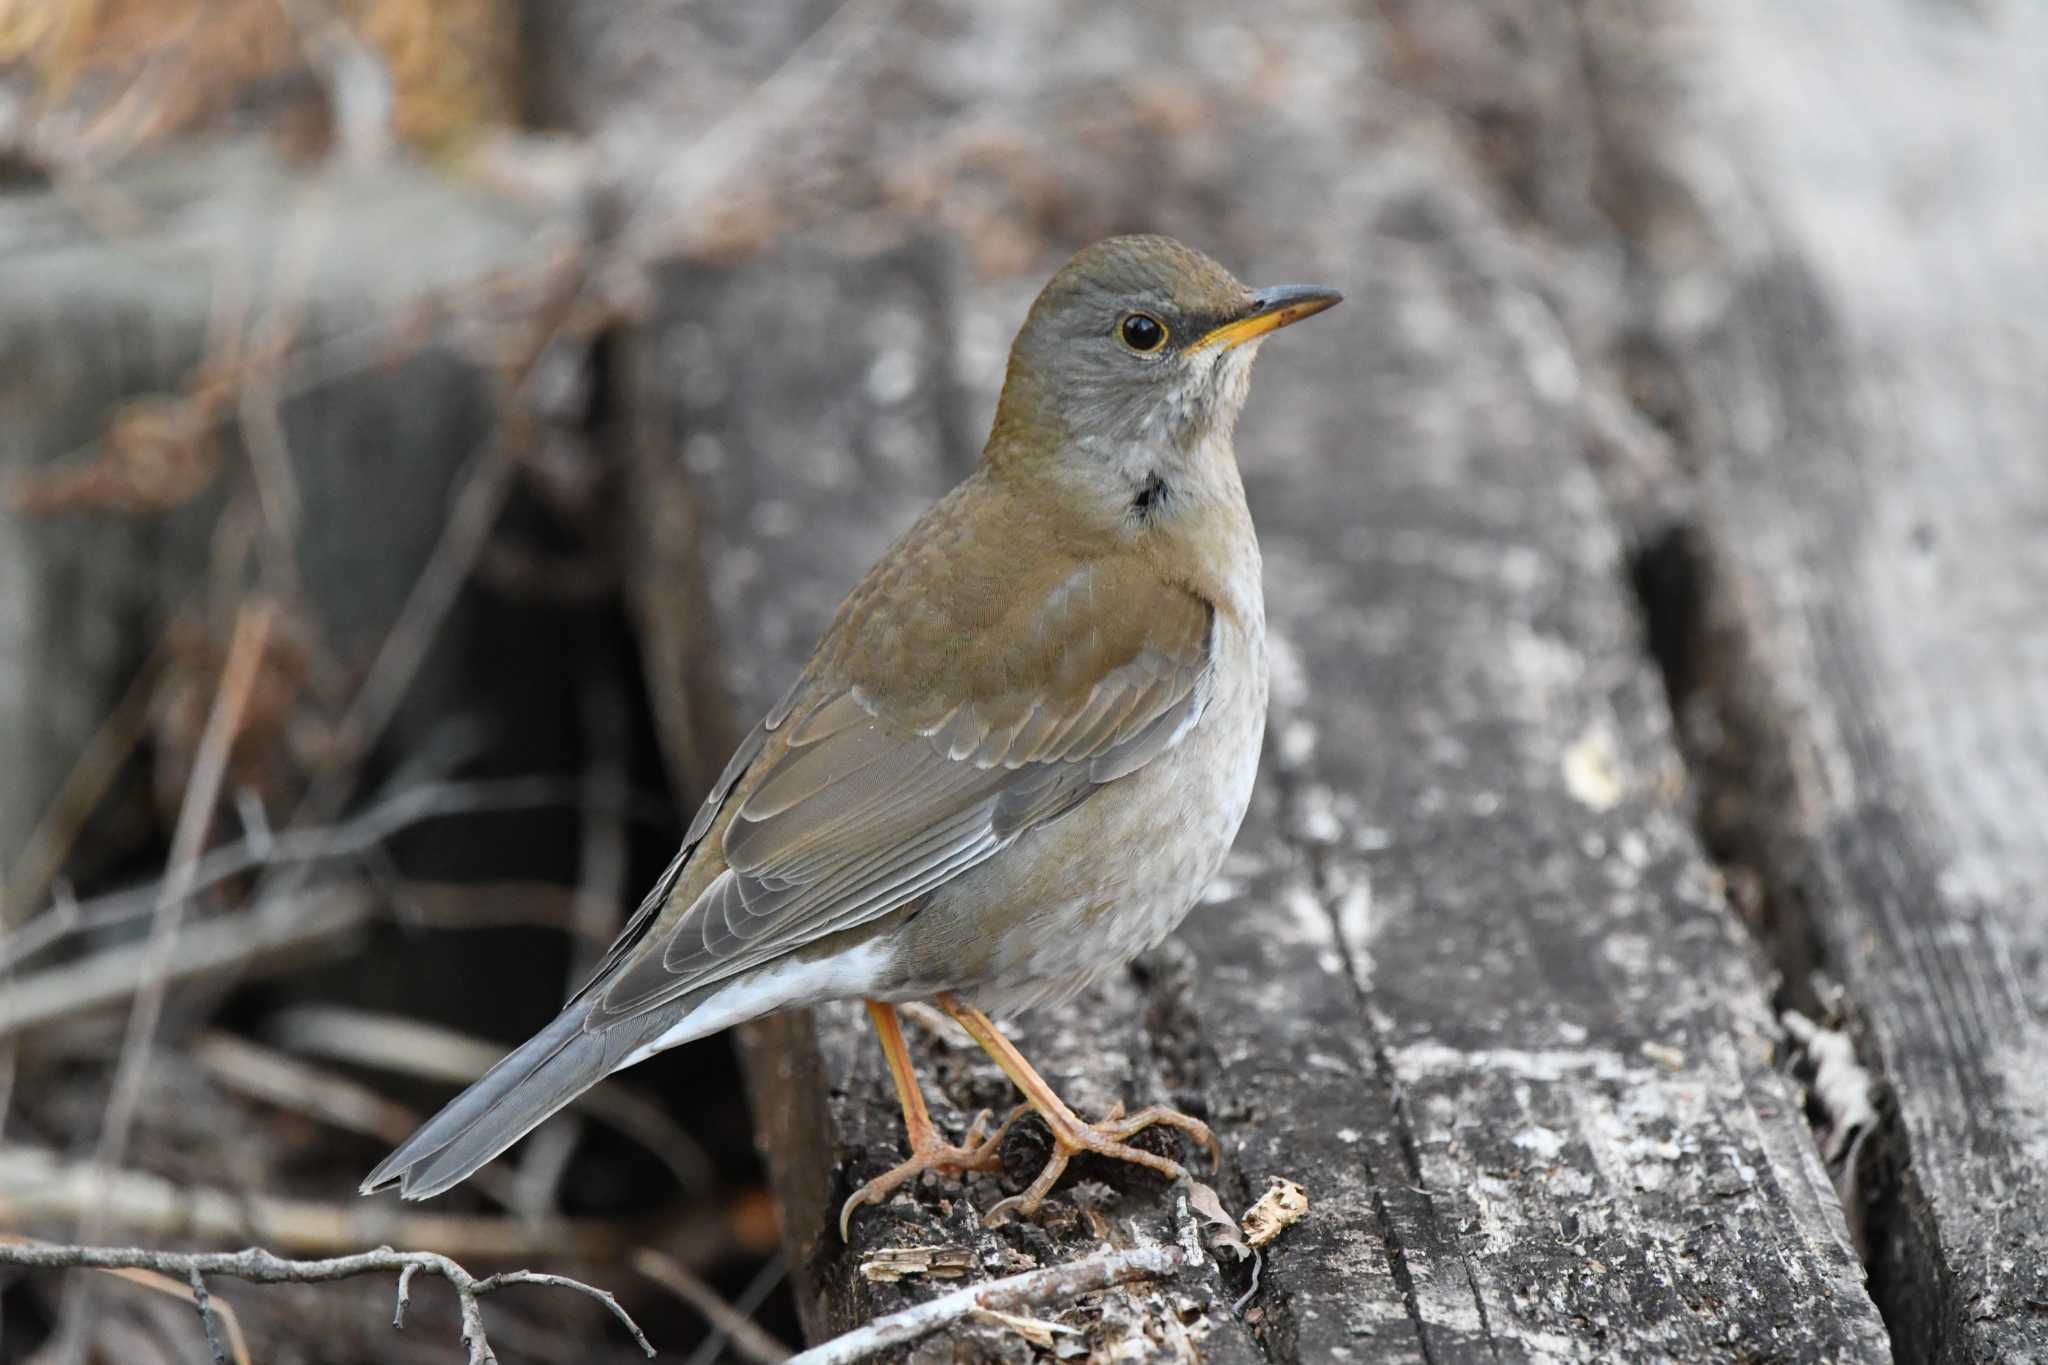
1419,1060
1542,1143
1592,770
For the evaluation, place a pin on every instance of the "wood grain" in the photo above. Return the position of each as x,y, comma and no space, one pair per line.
1469,978
1870,568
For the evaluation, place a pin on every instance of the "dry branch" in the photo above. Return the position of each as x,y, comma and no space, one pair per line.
264,937
359,834
50,842
273,1077
410,1047
484,484
194,1292
1034,1288
263,1074
195,817
747,1337
261,1267
38,1188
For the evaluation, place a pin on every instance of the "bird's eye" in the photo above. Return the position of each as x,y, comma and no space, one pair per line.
1142,332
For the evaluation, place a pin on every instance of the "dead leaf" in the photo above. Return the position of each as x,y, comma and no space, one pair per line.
1223,1229
1282,1206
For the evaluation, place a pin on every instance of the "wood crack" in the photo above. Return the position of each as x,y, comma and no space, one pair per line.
1743,796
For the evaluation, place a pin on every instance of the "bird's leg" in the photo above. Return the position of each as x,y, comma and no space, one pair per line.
1071,1134
927,1151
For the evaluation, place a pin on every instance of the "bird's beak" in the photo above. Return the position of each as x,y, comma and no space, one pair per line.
1271,310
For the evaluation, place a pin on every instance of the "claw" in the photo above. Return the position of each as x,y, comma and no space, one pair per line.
1071,1134
1107,1138
944,1158
979,1151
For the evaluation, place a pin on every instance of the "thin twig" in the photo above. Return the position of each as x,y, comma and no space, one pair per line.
673,204
192,1292
264,1074
258,1266
749,1302
38,1189
714,159
203,1301
351,352
410,1047
1053,1284
484,484
49,844
350,838
195,817
258,402
601,880
237,1344
263,936
730,1322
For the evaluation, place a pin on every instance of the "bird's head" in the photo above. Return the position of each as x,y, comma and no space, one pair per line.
1139,351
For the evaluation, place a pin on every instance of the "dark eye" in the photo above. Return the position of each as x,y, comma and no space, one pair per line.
1142,332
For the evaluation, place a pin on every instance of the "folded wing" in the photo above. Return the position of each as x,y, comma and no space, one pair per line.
846,803
860,811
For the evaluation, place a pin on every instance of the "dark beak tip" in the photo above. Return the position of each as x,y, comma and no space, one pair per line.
1314,297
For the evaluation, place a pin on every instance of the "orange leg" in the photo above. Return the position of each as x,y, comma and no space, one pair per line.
1071,1135
927,1152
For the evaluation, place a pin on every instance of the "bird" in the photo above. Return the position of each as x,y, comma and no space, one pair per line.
1020,750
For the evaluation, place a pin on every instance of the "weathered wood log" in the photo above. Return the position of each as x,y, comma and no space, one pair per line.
1858,351
1470,978
118,445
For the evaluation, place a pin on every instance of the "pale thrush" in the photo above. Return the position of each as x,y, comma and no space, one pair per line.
1024,744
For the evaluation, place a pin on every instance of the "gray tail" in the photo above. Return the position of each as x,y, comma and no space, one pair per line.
540,1076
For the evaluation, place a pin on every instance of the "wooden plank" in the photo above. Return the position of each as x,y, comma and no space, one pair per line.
1472,985
1471,980
1870,582
1475,772
793,499
1469,977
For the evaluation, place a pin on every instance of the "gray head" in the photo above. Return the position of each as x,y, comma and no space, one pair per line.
1139,342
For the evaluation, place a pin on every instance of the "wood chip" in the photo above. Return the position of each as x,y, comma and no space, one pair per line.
1037,1331
886,1265
1282,1206
1664,1055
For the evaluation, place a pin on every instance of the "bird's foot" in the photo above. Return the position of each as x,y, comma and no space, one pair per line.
1109,1138
978,1152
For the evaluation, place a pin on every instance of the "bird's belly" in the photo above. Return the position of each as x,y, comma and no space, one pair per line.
1083,895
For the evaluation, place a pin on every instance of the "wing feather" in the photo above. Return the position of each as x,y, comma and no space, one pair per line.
860,808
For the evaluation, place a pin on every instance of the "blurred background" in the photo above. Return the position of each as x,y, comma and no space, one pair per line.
422,425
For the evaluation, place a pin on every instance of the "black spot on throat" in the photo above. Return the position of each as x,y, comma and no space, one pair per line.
1150,496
